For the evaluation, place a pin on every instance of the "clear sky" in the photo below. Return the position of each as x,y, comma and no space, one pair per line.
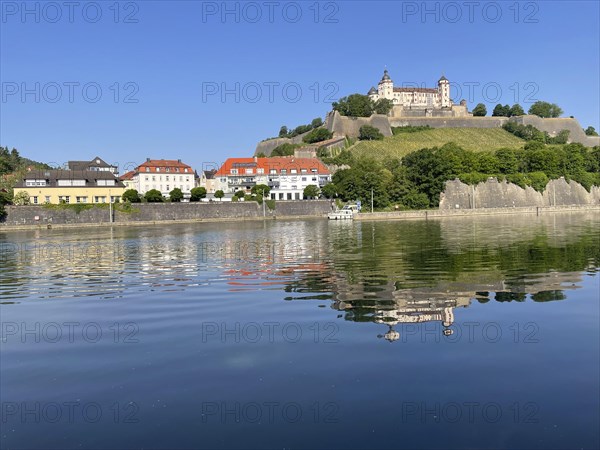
203,81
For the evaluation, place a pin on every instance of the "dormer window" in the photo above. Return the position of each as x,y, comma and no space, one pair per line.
158,169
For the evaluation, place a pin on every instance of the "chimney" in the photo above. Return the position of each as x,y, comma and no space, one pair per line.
256,159
147,159
179,161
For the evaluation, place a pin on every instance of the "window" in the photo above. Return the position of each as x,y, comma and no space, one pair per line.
153,178
35,200
147,169
185,170
303,170
146,179
249,171
176,169
168,187
233,171
158,169
81,199
283,171
294,171
64,198
260,171
303,178
273,171
313,170
47,199
167,170
100,199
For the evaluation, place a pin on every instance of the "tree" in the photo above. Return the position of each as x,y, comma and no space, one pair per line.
286,149
329,190
176,195
369,133
501,111
153,196
480,110
545,109
591,131
197,194
219,194
21,198
311,191
383,106
131,196
261,155
355,105
516,110
261,189
239,194
317,122
283,131
317,135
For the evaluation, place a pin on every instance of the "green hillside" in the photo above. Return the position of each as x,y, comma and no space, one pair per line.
475,139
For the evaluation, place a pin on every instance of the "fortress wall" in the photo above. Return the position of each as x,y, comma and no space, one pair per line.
350,126
555,126
494,194
449,122
268,146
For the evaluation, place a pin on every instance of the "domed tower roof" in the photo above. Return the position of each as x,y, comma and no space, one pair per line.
372,91
386,76
443,78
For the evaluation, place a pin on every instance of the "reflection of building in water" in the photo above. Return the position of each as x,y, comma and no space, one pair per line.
404,307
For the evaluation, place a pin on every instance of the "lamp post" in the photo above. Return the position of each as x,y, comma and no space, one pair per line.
110,215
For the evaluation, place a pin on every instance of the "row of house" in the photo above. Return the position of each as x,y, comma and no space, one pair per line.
96,181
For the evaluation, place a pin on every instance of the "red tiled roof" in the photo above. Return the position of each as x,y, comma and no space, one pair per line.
163,164
277,163
412,89
127,176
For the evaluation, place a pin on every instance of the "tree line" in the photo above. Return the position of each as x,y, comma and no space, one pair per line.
417,180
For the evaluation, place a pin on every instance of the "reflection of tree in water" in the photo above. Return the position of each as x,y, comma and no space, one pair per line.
411,272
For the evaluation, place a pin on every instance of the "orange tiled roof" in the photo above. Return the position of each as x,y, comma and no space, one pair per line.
268,164
127,176
163,164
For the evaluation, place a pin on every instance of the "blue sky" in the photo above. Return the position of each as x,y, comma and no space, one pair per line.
83,65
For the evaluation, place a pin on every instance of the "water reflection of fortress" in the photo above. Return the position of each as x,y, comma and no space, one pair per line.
390,306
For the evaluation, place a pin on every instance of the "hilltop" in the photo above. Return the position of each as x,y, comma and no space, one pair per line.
474,139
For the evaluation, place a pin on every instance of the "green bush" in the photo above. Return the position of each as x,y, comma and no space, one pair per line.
473,177
369,133
317,135
131,195
153,196
271,204
197,194
409,129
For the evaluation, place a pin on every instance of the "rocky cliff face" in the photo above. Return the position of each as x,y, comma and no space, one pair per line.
495,194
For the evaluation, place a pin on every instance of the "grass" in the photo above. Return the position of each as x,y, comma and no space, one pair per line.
475,139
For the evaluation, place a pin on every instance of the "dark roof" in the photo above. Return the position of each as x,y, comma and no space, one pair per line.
443,79
210,174
386,76
83,165
372,91
52,176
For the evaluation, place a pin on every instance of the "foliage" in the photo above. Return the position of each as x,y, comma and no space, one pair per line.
197,194
316,123
286,149
410,129
270,204
21,198
516,110
329,190
219,194
261,155
501,111
480,110
176,195
239,194
591,131
235,199
358,105
383,106
261,190
345,157
545,109
131,195
284,132
369,133
153,196
311,191
317,135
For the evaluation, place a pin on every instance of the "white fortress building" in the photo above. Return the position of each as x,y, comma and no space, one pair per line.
412,101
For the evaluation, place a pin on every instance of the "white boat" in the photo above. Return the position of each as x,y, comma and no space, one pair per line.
346,213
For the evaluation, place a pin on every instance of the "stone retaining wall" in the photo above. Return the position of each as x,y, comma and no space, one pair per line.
160,212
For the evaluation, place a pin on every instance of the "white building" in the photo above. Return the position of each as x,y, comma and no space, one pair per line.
163,175
286,176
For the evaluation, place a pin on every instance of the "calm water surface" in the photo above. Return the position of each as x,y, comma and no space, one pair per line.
461,333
